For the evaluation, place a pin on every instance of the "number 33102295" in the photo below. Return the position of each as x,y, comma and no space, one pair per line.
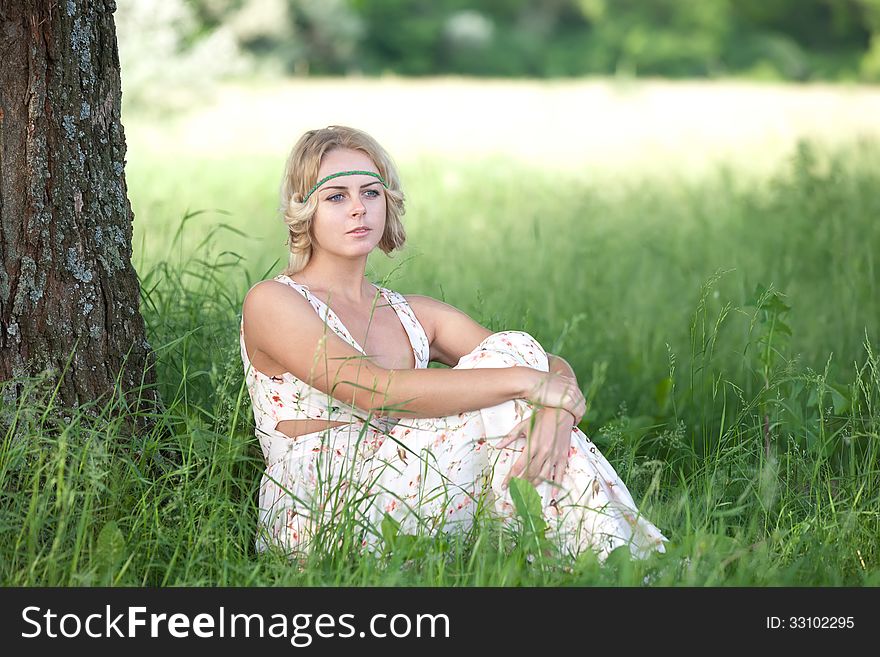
810,622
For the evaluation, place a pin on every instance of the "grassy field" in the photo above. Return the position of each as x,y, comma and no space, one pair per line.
723,323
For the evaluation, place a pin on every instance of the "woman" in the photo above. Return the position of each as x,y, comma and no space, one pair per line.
354,425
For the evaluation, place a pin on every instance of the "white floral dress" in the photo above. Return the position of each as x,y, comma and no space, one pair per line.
428,474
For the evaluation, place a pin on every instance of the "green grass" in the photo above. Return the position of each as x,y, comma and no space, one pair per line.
725,331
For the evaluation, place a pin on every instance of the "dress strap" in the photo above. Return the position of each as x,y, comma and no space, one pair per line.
324,311
299,287
414,330
418,339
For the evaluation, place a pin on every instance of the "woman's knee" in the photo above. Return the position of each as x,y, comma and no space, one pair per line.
519,344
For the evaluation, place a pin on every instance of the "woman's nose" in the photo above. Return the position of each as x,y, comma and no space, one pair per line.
358,207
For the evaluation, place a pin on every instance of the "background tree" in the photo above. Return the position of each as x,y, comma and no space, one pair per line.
69,296
764,39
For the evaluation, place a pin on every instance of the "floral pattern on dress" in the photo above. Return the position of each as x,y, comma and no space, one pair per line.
286,397
427,473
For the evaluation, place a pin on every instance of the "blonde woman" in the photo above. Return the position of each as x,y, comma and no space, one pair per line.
353,424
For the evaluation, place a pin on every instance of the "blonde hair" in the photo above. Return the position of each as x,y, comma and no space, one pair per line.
301,174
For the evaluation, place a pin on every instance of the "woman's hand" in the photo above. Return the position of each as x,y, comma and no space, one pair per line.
548,439
557,391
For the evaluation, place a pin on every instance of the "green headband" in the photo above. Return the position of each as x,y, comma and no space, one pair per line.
344,173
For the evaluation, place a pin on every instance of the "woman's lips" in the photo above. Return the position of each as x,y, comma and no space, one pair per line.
359,231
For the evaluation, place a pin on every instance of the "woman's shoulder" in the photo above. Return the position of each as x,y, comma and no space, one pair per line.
439,313
270,290
419,302
427,304
278,282
432,312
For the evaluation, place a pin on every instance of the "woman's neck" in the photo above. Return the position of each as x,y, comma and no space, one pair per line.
343,279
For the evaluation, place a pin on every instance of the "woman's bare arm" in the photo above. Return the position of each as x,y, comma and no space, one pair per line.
452,333
281,323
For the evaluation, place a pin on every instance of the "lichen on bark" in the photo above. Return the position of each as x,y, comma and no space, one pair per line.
69,295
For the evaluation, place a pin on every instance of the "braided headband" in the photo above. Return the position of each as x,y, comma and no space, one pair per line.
343,173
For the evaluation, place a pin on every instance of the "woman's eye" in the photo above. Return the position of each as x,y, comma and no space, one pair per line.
334,197
372,193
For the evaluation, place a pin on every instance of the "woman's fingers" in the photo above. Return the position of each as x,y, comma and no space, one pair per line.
581,406
557,390
547,472
557,461
518,431
529,462
557,465
544,457
515,469
545,452
511,437
529,465
541,464
560,467
573,400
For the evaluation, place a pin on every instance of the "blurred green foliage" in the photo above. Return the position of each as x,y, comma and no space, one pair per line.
769,39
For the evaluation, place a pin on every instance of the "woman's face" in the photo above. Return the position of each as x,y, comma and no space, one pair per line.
347,203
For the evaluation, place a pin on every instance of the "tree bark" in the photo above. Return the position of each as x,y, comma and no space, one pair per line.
69,295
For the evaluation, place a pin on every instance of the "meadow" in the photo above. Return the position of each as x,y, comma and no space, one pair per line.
724,325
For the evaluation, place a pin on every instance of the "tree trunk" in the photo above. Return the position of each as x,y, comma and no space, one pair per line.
69,296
